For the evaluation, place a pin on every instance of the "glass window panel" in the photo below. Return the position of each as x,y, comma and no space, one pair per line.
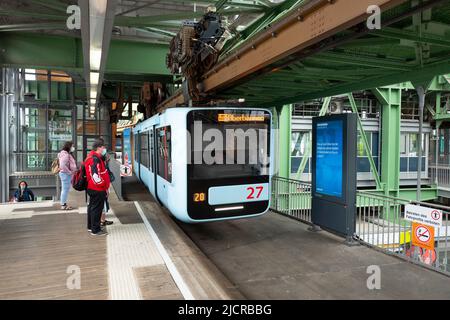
295,164
363,164
361,150
403,164
80,112
413,144
375,144
413,163
59,128
375,159
403,143
299,143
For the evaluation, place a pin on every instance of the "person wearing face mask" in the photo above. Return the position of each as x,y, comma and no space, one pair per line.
98,182
23,193
67,168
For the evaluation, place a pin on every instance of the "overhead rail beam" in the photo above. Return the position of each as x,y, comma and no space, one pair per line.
307,32
308,24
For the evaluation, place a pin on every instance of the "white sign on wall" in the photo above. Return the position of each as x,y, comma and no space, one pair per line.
429,216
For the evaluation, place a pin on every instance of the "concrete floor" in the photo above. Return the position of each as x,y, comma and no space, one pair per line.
274,257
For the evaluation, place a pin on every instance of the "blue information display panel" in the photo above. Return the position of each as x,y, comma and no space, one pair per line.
329,158
333,204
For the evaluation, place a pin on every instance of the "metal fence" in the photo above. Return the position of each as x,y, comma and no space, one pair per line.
291,198
380,222
440,175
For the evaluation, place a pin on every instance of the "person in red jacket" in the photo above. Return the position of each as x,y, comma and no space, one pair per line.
98,183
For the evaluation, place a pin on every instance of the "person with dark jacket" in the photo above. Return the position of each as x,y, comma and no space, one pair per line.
98,183
23,193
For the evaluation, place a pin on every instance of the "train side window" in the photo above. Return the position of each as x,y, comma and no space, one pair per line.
164,150
144,149
152,152
136,147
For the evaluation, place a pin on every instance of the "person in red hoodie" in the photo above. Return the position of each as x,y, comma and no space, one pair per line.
98,183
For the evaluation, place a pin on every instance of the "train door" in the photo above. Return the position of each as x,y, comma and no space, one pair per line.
151,142
163,162
137,154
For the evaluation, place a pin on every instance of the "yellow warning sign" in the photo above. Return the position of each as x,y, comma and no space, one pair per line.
423,236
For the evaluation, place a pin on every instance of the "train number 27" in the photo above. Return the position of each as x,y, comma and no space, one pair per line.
252,192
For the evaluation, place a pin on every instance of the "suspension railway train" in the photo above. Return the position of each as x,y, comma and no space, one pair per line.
206,164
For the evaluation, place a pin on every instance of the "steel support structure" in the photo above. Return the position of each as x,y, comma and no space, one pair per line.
284,116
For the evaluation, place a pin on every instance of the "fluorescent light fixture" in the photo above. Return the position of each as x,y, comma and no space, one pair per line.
95,58
93,94
229,208
94,78
97,12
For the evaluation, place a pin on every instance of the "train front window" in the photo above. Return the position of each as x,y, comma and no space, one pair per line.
228,143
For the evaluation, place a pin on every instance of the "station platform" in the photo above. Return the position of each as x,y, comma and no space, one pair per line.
41,246
149,255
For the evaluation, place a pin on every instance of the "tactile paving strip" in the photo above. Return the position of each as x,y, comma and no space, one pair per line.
128,246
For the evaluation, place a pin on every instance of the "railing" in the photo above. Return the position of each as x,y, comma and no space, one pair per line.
440,175
380,224
291,198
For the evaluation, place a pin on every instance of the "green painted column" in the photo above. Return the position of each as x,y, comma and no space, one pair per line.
390,99
284,140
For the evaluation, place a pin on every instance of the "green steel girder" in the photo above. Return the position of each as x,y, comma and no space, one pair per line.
424,37
269,16
390,99
158,31
362,60
33,50
143,21
32,26
232,3
427,194
368,149
51,4
301,168
416,73
284,115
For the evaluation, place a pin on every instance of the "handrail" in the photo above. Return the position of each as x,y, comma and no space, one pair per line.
435,206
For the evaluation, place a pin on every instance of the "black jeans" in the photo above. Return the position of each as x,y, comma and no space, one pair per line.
95,208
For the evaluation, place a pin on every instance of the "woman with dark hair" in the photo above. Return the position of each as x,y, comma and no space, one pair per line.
23,193
67,167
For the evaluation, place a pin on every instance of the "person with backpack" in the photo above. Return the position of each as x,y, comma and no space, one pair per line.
98,183
67,168
23,193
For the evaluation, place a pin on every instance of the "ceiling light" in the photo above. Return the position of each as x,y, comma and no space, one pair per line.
94,78
95,58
